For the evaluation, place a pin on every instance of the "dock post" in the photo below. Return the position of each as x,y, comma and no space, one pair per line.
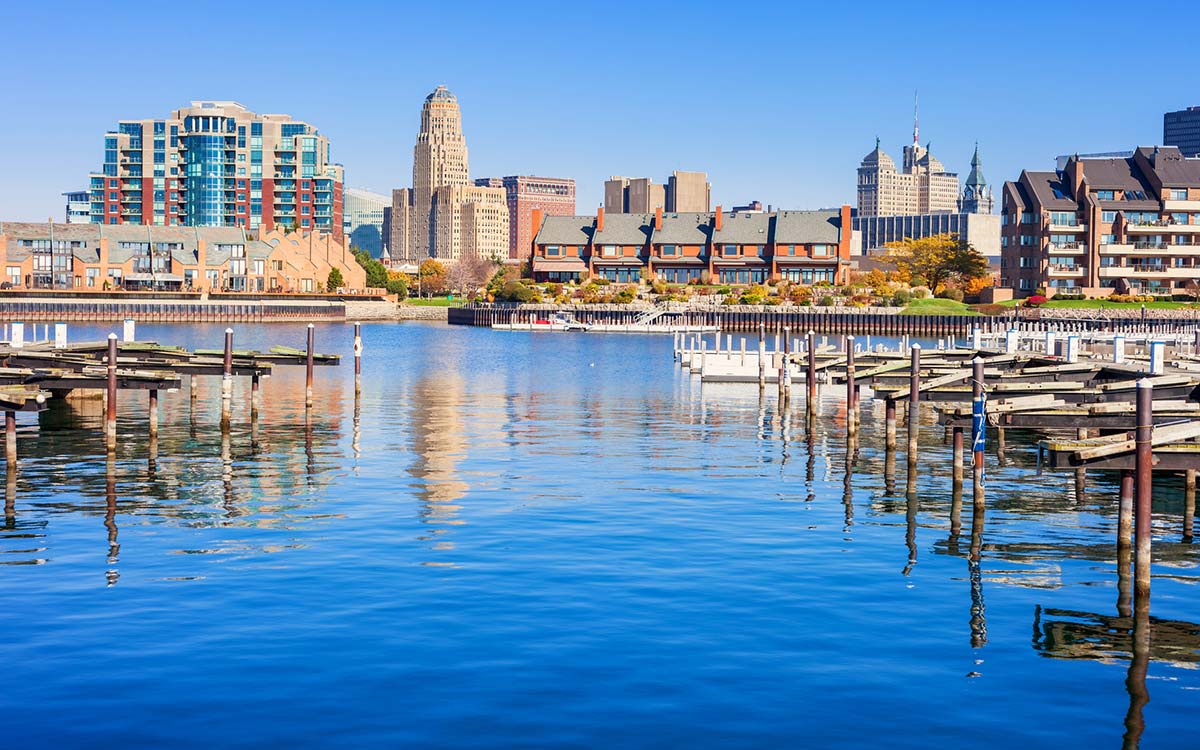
10,439
1156,357
227,379
153,409
762,357
60,335
1010,341
1118,349
129,332
914,401
978,418
1189,503
1144,459
851,402
1072,349
358,349
110,414
308,368
810,378
976,338
890,424
1050,342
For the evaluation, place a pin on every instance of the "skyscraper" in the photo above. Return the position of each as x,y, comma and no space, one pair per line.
688,192
215,164
443,215
363,225
683,192
1182,129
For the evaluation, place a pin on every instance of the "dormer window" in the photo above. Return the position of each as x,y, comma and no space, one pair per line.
1135,195
609,251
1105,195
670,250
553,251
729,250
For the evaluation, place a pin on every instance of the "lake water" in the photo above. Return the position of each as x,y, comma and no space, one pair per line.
557,540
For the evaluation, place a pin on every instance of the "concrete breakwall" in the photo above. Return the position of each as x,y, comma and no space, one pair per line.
169,310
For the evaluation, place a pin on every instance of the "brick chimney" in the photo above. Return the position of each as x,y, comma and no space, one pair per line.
658,219
535,223
600,219
845,234
717,219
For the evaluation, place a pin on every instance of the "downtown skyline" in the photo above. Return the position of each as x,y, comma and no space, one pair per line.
787,127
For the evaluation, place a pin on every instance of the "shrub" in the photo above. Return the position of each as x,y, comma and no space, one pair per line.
901,298
626,295
825,301
919,292
1036,300
952,293
724,290
398,287
732,299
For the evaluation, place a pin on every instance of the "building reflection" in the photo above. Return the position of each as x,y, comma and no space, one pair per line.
439,447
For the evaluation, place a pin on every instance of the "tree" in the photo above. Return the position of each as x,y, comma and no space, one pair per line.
335,280
938,259
432,277
468,273
377,273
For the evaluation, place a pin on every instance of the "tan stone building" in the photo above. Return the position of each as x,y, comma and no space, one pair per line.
443,215
922,186
683,192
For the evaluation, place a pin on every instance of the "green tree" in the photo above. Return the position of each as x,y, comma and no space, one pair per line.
938,259
335,280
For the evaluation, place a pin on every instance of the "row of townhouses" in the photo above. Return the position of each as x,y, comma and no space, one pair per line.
729,248
97,257
1129,223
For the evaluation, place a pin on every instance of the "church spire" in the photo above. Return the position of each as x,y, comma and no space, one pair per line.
975,178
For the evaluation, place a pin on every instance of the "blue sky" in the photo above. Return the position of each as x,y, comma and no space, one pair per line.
776,101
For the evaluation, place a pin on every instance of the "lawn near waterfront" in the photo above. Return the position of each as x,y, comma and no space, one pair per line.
935,306
435,302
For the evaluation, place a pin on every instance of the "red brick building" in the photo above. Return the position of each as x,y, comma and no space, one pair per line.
554,196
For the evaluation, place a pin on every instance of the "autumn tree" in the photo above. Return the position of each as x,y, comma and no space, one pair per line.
431,277
938,259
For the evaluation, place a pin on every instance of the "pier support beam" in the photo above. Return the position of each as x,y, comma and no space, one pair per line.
227,381
914,401
358,349
1144,459
851,399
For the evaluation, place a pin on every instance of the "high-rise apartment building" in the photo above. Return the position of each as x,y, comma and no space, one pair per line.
554,196
443,215
364,216
1105,224
79,207
683,192
216,164
1182,129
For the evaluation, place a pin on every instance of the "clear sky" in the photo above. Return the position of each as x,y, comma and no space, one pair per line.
777,101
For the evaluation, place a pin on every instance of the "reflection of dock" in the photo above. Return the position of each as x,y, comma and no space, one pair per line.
1071,634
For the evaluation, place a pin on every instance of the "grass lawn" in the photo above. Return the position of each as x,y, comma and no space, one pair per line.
932,306
435,302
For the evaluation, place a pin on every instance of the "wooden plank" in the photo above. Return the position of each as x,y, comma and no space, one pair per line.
1163,435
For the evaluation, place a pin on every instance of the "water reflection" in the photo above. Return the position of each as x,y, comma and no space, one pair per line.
439,445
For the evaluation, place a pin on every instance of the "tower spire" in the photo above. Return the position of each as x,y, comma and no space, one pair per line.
916,120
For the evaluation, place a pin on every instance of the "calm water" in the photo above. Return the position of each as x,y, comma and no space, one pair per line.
536,540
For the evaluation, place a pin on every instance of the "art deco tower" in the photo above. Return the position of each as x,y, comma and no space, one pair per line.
443,215
440,156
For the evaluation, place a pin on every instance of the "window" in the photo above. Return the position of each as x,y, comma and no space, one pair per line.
553,251
729,250
1108,217
609,251
1178,195
1063,218
1135,195
821,249
1026,262
1027,218
670,251
1105,195
1108,239
306,285
1027,240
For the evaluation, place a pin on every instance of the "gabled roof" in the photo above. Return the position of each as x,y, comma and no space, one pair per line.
684,229
625,229
1041,187
1114,174
1171,167
806,227
566,230
743,229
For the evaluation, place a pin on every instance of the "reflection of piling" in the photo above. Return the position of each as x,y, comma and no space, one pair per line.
110,414
1141,486
889,422
153,415
1125,512
1135,678
255,396
1189,503
851,401
762,358
10,439
978,622
308,368
227,381
358,347
914,401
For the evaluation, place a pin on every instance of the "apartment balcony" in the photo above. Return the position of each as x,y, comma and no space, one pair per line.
1065,271
1148,272
1181,205
1066,248
1066,228
1154,227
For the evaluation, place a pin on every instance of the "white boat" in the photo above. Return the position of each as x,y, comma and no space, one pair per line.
559,321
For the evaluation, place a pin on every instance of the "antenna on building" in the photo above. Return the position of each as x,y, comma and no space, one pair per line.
916,121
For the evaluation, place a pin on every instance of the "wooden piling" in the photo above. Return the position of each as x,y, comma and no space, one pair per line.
1144,458
851,402
914,401
308,368
10,439
110,413
227,380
